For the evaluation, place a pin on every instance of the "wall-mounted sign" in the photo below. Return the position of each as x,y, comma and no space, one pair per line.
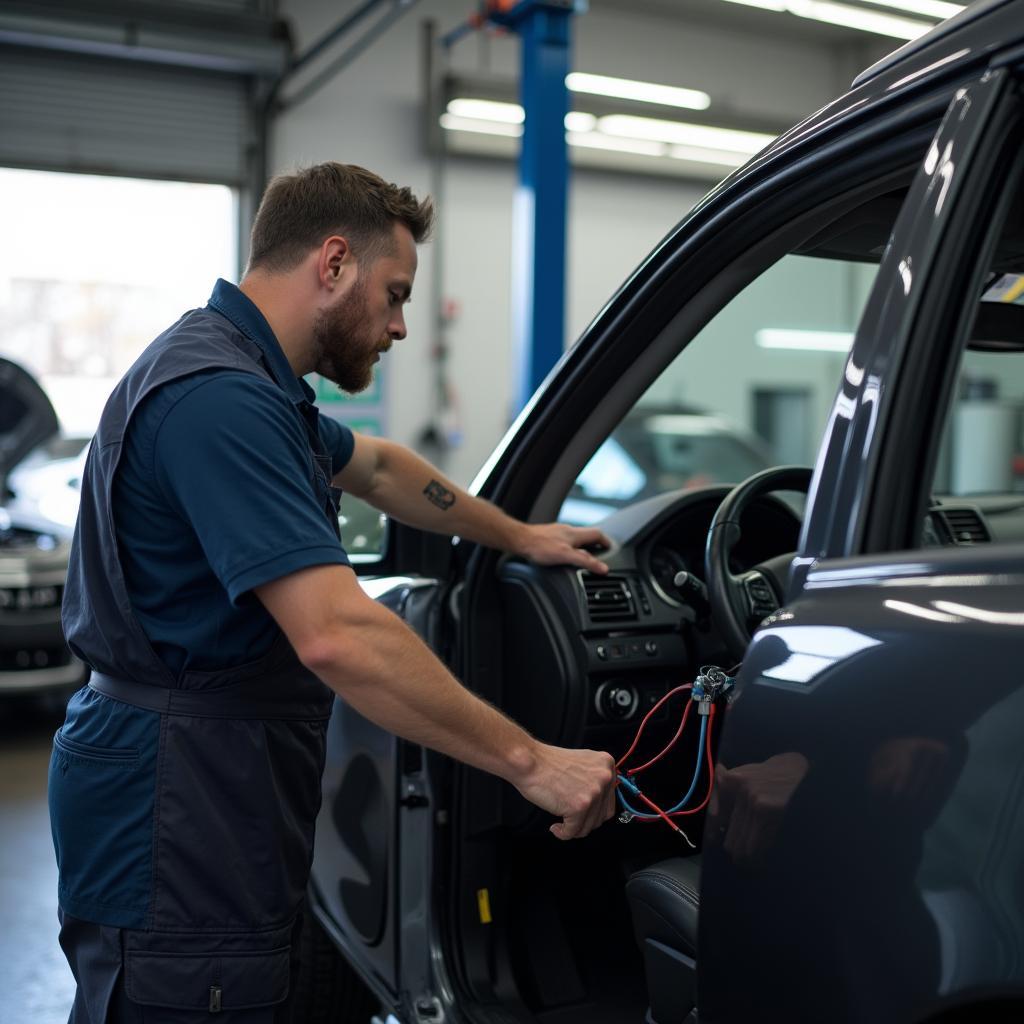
365,413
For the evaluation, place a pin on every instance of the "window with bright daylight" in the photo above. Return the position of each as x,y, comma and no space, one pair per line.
93,268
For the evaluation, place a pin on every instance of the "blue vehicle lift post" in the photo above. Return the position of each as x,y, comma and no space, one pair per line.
538,292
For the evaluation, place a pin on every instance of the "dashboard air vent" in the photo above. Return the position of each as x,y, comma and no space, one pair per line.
966,526
609,598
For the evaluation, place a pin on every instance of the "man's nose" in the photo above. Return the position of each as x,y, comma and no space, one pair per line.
396,329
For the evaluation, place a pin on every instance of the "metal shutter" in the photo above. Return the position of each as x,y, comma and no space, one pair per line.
72,112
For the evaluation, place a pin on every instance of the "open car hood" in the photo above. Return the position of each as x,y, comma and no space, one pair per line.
27,417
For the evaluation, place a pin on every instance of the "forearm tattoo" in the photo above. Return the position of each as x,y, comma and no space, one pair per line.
439,495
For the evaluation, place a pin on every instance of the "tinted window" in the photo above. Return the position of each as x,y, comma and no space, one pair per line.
752,389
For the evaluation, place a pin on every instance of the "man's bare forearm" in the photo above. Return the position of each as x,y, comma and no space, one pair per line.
368,656
411,490
384,671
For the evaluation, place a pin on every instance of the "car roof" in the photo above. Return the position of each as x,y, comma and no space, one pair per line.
968,39
910,51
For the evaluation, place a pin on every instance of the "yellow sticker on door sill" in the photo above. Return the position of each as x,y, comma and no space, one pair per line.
483,902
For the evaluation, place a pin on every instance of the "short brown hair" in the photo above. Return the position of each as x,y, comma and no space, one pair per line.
298,211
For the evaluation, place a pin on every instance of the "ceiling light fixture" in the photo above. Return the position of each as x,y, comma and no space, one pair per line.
487,110
454,123
580,121
805,341
846,16
682,134
643,92
595,140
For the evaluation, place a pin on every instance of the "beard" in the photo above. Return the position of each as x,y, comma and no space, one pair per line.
345,352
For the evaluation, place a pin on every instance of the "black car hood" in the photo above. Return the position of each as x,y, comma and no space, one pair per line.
27,417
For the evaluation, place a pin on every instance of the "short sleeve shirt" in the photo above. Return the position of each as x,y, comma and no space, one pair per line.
213,497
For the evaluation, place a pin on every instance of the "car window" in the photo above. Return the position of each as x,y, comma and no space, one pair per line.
978,479
982,451
751,390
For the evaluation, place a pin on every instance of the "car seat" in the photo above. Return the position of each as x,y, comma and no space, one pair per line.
664,900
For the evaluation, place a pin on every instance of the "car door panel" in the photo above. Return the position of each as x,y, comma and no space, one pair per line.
871,689
367,870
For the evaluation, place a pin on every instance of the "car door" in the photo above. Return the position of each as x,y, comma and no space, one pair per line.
372,857
863,860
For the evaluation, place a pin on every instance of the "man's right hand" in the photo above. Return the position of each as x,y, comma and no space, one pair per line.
576,785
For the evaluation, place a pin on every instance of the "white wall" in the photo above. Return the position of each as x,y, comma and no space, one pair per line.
370,115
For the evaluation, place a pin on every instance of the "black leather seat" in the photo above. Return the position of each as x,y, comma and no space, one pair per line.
665,899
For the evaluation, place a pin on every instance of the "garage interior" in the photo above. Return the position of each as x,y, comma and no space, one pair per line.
136,139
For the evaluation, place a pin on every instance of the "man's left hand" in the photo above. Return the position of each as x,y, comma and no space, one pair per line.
559,544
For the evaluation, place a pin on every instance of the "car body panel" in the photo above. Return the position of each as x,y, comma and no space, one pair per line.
890,880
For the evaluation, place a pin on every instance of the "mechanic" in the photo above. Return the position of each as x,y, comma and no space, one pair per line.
210,594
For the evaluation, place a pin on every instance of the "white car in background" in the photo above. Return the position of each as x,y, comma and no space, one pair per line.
40,473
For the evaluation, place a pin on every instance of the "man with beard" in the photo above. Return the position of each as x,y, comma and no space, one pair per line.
210,594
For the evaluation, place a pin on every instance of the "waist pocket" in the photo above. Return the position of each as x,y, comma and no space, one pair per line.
242,986
101,811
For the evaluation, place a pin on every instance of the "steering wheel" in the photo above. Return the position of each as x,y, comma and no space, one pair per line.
739,603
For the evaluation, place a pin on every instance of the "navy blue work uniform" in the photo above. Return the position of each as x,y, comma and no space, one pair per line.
185,781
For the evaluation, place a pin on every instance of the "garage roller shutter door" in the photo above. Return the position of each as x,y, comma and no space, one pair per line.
71,112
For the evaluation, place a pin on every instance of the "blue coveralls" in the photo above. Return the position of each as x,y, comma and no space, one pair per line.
182,803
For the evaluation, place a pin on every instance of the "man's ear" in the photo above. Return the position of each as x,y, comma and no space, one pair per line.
335,262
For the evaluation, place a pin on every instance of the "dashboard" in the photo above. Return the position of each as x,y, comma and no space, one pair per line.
587,656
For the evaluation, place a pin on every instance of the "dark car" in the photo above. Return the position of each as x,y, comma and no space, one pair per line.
38,504
858,857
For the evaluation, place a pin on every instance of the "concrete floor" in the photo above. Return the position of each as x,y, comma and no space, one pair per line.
36,986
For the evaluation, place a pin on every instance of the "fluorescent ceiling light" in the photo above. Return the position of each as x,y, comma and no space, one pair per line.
512,113
644,92
487,110
589,140
807,341
845,15
699,155
474,124
682,134
579,121
595,140
928,8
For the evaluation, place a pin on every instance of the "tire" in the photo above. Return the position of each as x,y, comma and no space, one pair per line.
327,990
